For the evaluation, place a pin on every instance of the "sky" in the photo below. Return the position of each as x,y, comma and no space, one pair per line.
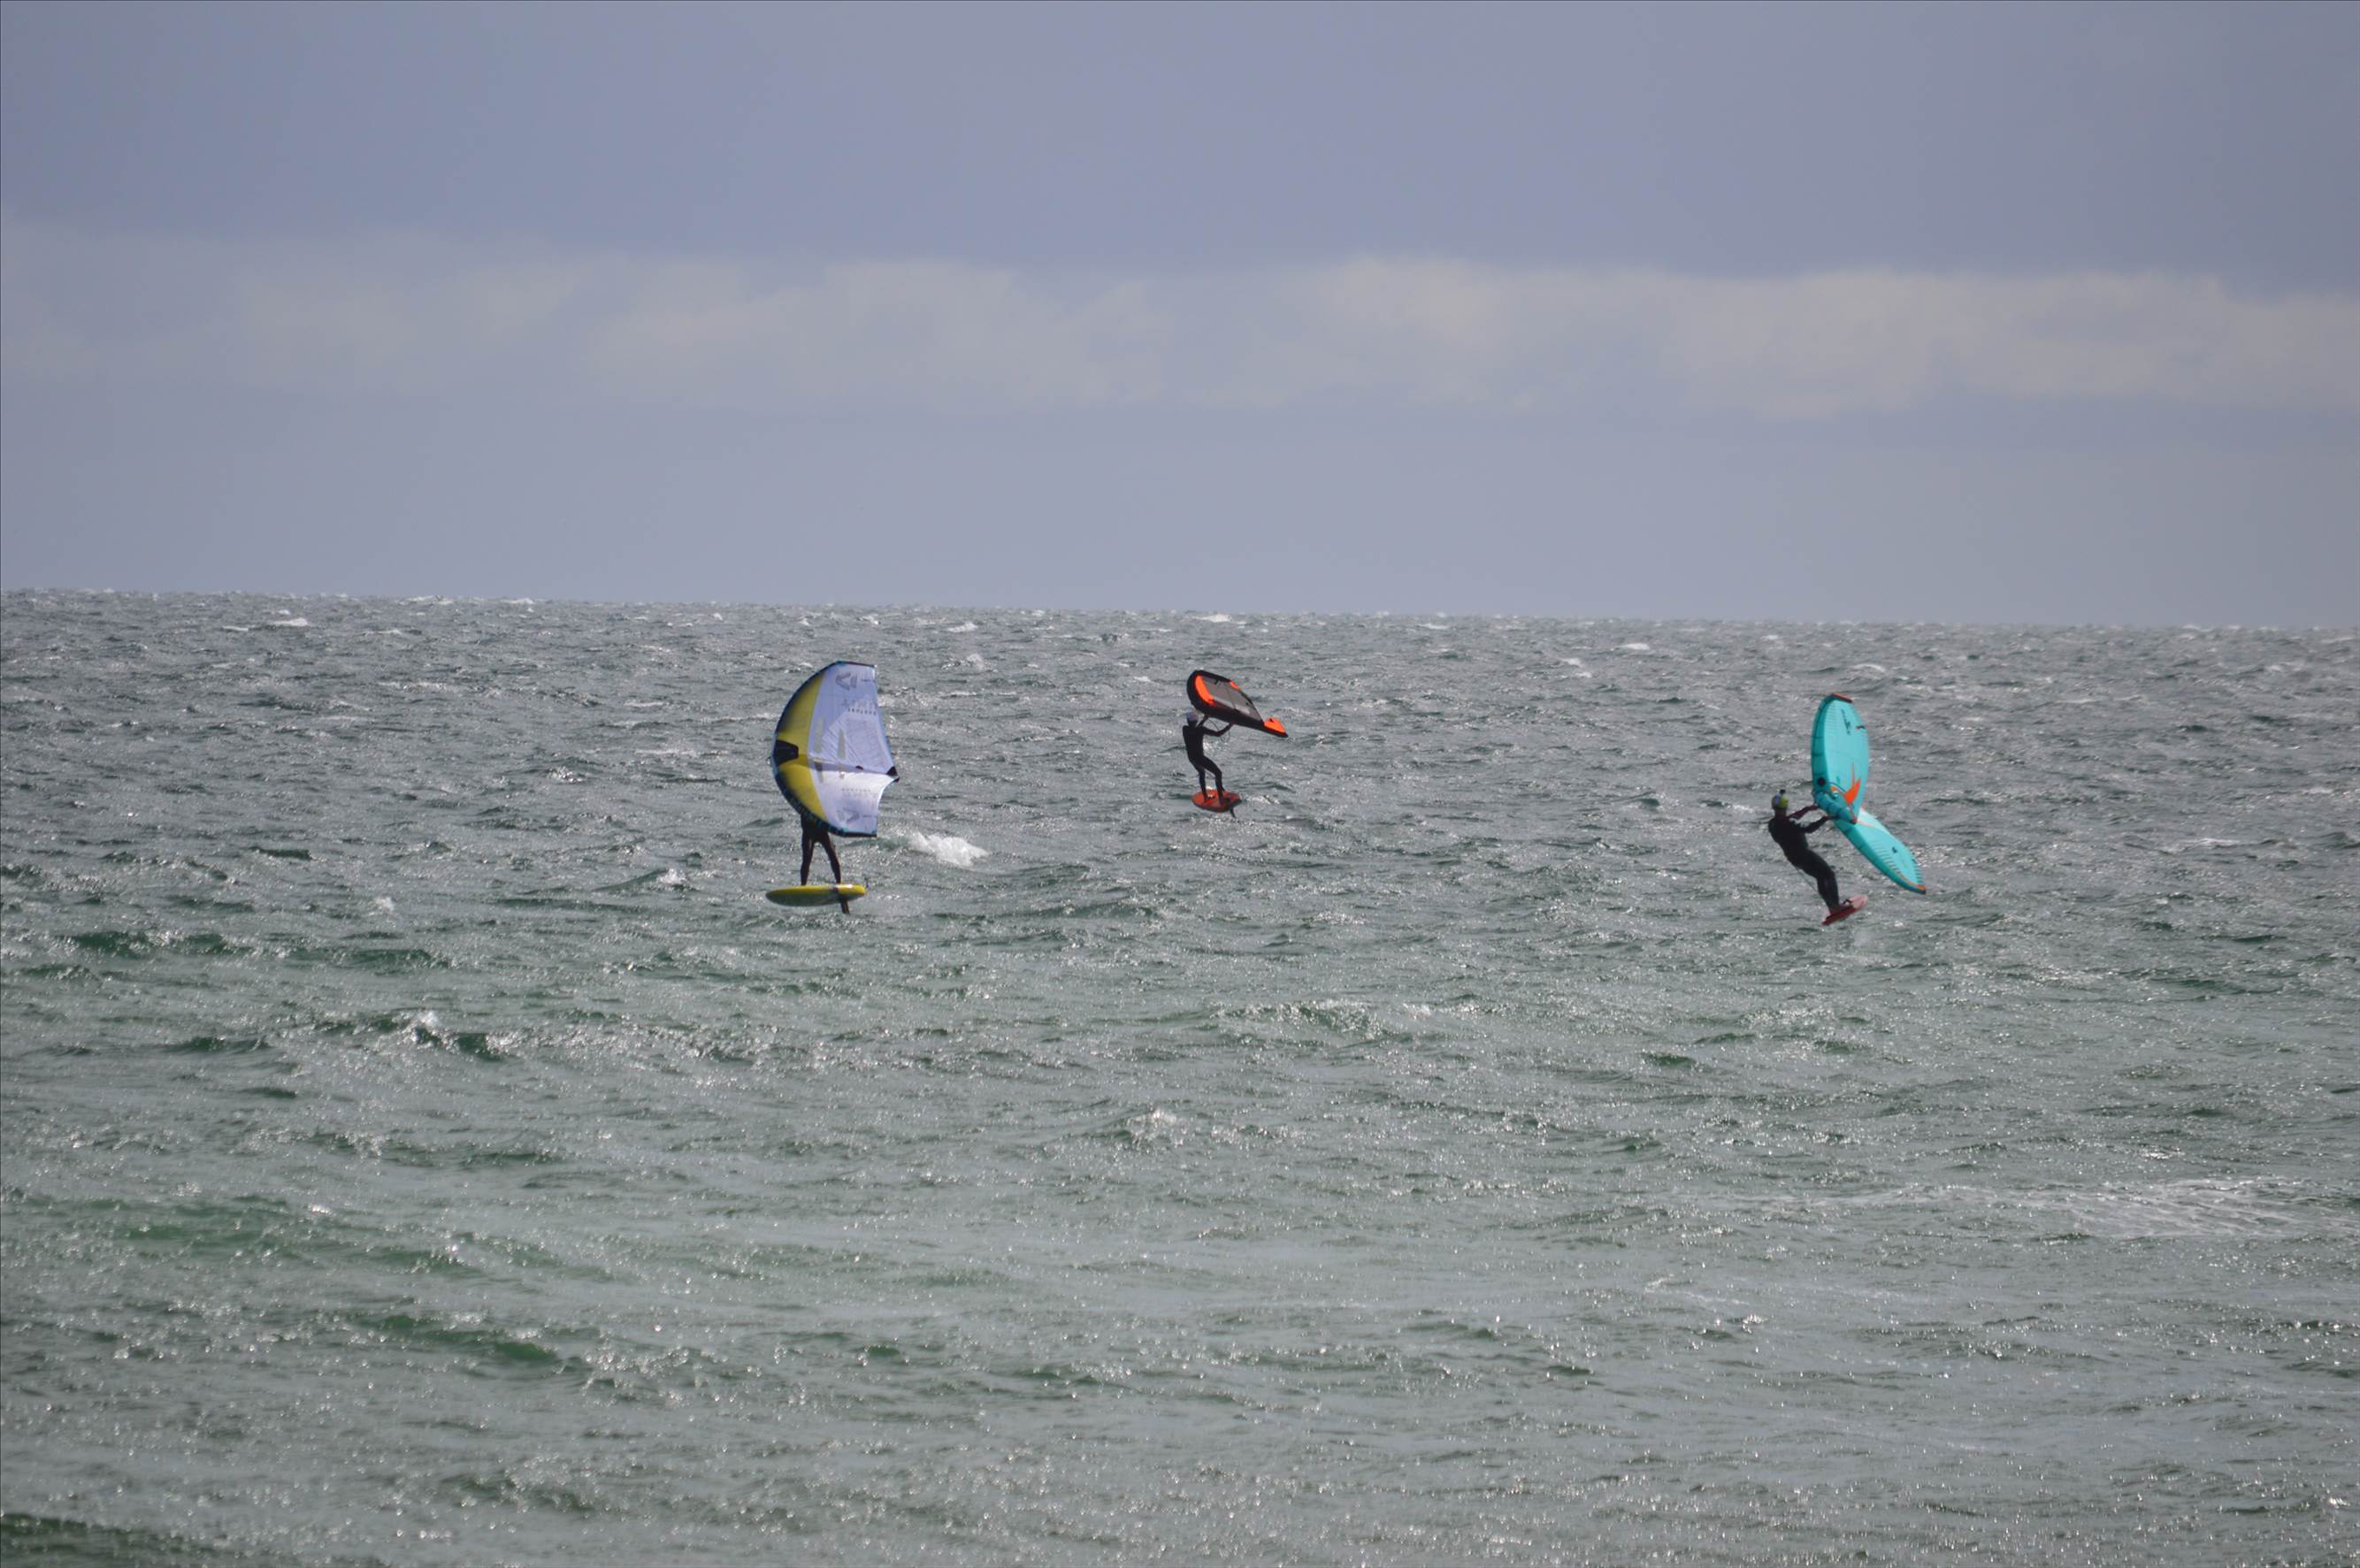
1964,314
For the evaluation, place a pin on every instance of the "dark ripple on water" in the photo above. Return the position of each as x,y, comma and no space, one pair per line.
423,1144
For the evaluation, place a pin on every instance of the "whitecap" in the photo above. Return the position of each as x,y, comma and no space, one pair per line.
2195,1208
1158,1125
948,848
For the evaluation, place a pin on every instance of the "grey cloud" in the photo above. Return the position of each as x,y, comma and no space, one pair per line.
423,313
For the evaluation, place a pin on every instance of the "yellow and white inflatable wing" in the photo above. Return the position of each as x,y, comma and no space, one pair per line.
830,756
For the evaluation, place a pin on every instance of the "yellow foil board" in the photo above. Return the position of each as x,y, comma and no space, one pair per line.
812,894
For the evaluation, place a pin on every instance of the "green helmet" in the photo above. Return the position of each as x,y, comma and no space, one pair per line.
1778,802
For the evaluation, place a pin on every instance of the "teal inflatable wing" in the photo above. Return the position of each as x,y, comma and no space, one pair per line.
1881,849
1840,759
1839,775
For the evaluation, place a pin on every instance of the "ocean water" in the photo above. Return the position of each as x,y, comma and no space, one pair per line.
420,1143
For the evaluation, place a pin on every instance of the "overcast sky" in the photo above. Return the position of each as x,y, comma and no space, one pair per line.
1962,313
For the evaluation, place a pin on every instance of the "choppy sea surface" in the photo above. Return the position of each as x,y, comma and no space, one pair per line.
422,1144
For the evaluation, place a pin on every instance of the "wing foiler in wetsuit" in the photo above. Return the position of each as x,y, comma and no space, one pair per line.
815,837
815,834
1193,733
1789,831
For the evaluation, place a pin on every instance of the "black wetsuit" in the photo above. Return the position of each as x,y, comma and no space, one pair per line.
1789,833
814,833
1192,735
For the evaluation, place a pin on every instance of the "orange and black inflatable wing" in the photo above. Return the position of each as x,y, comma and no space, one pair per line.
1219,697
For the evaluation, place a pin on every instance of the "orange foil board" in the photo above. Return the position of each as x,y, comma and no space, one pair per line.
1223,801
1846,910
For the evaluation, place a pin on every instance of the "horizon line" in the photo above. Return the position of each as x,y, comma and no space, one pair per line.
1212,614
